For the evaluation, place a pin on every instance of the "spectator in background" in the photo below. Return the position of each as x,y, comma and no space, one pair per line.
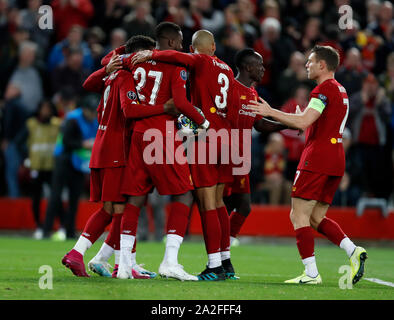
29,20
311,35
109,14
386,79
384,20
279,189
294,140
248,23
68,13
373,7
188,22
117,39
140,21
72,152
65,101
95,40
349,190
210,18
292,77
13,121
351,73
71,74
314,8
276,50
42,131
74,40
271,9
230,39
25,83
369,116
9,55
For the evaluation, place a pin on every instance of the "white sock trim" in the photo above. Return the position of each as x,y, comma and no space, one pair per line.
105,252
82,245
310,267
347,245
214,260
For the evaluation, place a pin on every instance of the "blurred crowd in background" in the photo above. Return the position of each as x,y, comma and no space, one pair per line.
42,72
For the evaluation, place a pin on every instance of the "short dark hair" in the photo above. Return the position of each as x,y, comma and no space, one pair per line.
139,43
166,29
328,54
242,56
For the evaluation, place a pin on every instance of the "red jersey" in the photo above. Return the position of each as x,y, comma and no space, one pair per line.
323,152
245,118
212,81
156,83
111,142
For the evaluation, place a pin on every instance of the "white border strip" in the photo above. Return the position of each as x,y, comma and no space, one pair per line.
385,283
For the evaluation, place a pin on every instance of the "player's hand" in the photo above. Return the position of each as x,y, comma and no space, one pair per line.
298,111
141,56
260,107
114,64
169,108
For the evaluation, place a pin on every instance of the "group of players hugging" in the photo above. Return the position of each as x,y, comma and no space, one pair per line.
144,86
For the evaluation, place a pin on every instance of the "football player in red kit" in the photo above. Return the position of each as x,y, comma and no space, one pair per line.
212,83
322,163
155,83
108,160
237,193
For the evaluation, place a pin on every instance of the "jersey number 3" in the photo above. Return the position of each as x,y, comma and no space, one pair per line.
221,101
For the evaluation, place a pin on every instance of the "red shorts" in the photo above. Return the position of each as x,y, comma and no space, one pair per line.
240,184
209,169
105,184
142,175
315,186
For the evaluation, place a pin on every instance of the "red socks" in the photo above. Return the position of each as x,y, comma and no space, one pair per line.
224,220
129,222
113,238
211,229
331,230
236,222
96,225
305,242
178,219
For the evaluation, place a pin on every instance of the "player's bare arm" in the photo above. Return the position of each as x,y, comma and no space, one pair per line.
114,64
299,121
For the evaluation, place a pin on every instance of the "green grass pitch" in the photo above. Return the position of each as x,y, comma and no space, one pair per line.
262,269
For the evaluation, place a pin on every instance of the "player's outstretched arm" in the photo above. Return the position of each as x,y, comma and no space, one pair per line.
171,56
117,51
267,125
178,91
299,121
95,82
129,102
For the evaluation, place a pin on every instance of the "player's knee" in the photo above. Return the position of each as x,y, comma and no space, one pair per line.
137,201
108,207
315,221
244,207
186,198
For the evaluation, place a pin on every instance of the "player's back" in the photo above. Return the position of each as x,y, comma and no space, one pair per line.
212,90
154,83
323,150
109,149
